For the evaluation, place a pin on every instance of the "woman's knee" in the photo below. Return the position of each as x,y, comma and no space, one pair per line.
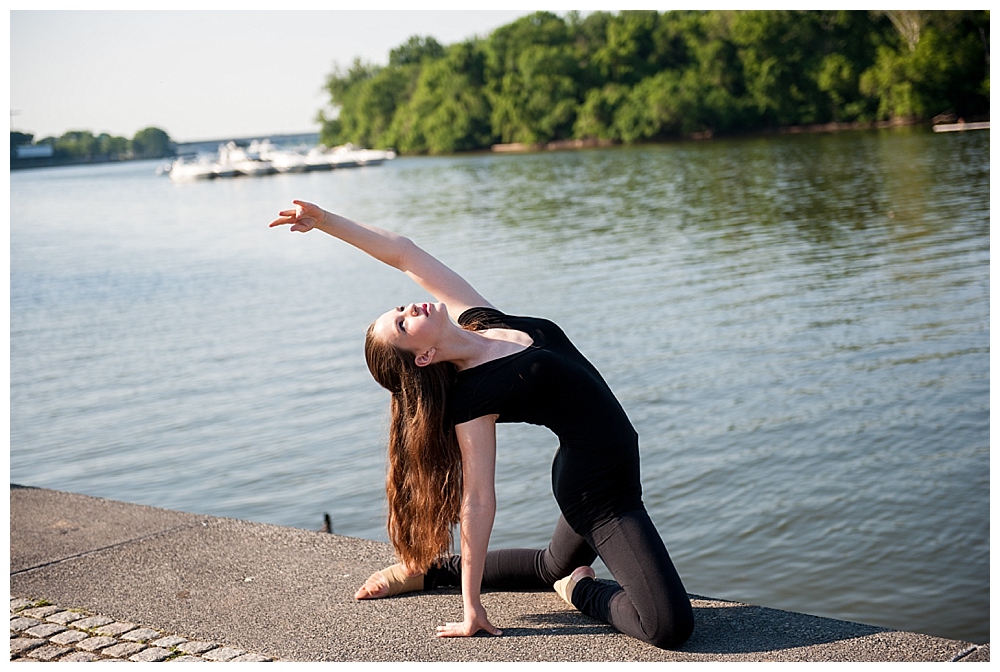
675,629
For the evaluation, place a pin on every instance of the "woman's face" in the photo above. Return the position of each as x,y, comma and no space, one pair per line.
415,328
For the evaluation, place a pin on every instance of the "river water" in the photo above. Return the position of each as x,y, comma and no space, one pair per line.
798,327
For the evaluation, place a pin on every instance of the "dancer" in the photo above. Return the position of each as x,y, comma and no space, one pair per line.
457,367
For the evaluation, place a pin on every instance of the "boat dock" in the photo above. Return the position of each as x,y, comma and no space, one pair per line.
974,126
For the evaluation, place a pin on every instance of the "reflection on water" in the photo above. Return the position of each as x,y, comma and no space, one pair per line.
797,326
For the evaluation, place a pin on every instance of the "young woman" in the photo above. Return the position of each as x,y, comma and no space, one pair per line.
457,367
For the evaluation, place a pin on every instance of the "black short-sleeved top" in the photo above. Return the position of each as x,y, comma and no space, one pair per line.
595,473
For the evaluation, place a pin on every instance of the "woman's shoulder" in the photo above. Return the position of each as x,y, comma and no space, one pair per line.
541,330
481,317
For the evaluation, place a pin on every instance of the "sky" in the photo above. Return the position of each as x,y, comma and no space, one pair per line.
202,75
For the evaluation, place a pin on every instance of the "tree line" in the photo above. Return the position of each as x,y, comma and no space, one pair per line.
638,76
149,143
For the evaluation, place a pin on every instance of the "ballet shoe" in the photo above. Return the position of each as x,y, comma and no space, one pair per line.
564,586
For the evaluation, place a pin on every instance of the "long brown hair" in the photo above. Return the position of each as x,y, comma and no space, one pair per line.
424,480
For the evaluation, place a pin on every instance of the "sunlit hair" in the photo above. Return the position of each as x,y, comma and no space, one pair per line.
424,480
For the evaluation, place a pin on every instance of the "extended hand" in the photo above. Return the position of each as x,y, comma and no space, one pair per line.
303,218
472,624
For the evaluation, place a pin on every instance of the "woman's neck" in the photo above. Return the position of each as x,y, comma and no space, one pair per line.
466,349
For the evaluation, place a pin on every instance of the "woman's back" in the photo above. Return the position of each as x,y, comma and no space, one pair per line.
550,383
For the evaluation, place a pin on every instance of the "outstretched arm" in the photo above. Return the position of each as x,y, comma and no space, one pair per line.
478,441
397,251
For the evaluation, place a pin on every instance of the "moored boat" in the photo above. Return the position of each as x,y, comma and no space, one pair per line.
203,168
262,157
242,161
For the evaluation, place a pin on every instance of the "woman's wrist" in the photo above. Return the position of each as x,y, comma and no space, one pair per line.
473,605
327,221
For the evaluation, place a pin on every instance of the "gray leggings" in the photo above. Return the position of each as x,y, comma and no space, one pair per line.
648,602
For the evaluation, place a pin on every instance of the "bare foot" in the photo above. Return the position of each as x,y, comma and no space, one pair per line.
564,586
375,587
388,582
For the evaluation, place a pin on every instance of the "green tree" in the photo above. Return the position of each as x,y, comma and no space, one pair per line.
415,50
76,144
937,62
643,75
596,118
779,52
343,87
589,35
531,79
111,146
629,53
448,111
367,98
149,143
666,104
17,138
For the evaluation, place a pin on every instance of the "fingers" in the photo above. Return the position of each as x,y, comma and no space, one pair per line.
453,630
463,630
294,217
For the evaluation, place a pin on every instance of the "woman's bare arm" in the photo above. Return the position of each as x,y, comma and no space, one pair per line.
395,250
478,441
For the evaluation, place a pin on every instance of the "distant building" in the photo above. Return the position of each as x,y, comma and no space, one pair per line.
34,151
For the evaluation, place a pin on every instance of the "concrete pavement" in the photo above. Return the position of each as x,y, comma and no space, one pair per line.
277,593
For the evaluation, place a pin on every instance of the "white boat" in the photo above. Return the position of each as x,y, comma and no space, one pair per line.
317,159
346,156
234,157
284,161
204,168
262,157
373,157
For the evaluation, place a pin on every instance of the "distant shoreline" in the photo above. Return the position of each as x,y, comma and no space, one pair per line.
180,149
192,148
829,127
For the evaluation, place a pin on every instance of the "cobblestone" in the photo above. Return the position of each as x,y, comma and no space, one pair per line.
196,647
22,624
151,655
24,644
140,635
45,632
48,652
92,622
223,654
40,612
64,617
96,643
115,629
168,642
69,637
123,649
